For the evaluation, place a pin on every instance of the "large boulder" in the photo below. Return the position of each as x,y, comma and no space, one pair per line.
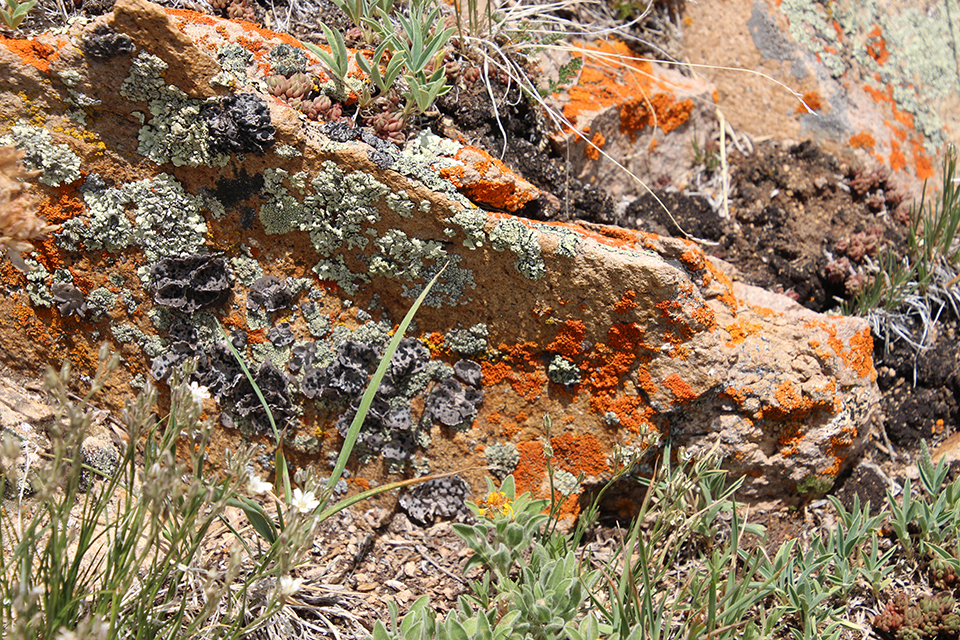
187,195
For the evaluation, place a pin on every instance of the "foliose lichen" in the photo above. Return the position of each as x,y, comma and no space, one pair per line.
502,458
57,163
167,221
468,342
517,237
565,482
562,371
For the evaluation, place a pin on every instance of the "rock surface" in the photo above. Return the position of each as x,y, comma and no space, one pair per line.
319,239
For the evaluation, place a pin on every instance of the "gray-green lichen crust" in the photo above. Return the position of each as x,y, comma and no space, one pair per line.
58,164
167,220
521,240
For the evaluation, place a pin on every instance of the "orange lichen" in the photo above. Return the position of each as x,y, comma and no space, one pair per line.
862,141
593,151
569,340
740,330
693,259
626,302
362,483
531,469
529,384
31,52
898,161
660,110
487,180
495,372
921,163
790,438
877,46
726,298
579,453
192,17
680,389
812,100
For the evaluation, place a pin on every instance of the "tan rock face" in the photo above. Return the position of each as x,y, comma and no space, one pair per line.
308,245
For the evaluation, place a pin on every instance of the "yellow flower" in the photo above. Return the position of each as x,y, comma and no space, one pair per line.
497,503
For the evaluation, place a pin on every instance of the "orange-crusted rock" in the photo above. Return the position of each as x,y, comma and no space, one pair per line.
486,180
309,245
642,114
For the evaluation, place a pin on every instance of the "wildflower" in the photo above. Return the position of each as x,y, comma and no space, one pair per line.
288,586
497,504
199,393
304,502
257,486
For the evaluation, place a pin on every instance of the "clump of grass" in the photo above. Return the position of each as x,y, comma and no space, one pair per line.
124,557
915,287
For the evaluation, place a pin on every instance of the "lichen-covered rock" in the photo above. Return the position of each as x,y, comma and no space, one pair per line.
325,239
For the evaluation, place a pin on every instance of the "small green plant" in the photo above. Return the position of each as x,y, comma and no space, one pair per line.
15,12
932,257
111,555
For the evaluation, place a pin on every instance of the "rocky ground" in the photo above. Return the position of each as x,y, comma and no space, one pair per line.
802,222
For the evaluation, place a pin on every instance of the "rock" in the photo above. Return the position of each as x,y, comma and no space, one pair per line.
646,117
326,250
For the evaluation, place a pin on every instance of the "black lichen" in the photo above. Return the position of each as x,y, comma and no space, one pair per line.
104,43
239,124
70,301
280,335
440,498
452,404
469,372
273,386
269,294
191,283
230,193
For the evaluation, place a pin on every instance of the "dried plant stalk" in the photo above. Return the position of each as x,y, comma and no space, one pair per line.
19,222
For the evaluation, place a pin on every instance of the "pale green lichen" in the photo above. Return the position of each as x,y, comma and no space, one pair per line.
562,371
286,151
178,134
522,241
37,287
502,458
472,222
335,270
145,80
152,345
56,162
262,351
450,289
568,242
467,341
565,482
401,203
167,220
317,323
404,257
101,301
234,60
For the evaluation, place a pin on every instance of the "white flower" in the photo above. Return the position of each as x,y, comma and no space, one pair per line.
288,586
304,502
199,393
257,486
